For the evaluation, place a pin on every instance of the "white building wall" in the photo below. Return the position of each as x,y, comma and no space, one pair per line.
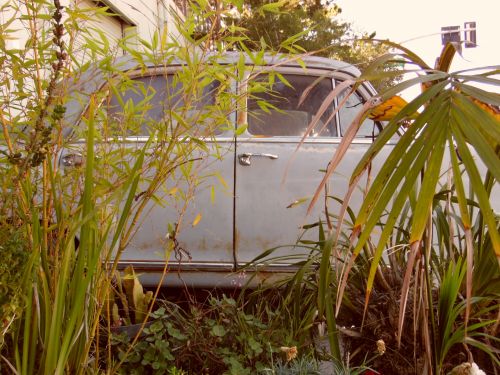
18,34
144,15
135,17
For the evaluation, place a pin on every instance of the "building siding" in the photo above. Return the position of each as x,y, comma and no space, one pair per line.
141,18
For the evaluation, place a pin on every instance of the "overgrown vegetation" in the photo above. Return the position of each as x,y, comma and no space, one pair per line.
410,283
14,254
216,337
409,270
365,335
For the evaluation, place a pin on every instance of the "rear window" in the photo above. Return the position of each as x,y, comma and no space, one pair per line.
281,112
162,102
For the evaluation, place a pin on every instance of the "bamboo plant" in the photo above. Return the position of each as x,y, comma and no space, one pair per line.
78,222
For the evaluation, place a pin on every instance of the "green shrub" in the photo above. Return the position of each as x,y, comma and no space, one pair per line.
14,256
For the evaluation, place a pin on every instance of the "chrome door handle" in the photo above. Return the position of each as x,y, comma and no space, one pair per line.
72,160
245,158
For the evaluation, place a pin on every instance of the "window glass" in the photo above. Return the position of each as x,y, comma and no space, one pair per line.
348,113
291,117
156,101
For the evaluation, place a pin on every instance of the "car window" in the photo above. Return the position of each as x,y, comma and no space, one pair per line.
148,101
348,113
280,112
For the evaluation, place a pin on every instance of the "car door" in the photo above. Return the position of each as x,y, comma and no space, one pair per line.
274,182
196,199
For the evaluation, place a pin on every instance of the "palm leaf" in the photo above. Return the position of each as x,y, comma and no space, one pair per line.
450,117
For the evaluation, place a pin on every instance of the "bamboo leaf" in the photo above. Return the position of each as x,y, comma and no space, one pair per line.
275,7
196,220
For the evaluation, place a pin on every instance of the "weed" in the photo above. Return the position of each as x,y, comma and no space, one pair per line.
213,338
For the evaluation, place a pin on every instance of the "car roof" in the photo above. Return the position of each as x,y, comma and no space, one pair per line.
128,62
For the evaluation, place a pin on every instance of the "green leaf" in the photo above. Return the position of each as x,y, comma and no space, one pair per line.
255,346
477,93
272,7
218,331
240,129
473,123
480,191
324,273
428,189
390,130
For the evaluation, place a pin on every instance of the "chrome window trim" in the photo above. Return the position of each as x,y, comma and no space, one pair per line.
335,75
144,139
295,140
332,140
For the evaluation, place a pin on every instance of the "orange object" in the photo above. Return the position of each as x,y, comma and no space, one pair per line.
388,109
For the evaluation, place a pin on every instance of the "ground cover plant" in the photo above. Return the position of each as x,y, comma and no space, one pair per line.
365,337
214,336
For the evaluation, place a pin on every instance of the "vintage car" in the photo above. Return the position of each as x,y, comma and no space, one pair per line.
265,177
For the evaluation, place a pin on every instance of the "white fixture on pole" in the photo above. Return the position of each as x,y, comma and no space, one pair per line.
451,34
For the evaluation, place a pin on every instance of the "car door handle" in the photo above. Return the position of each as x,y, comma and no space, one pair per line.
245,158
72,160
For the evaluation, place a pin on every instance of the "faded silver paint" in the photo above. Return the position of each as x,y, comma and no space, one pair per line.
251,214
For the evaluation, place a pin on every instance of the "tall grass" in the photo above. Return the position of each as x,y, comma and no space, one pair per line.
64,279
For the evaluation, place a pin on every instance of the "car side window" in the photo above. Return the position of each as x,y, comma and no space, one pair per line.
283,111
349,111
149,101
